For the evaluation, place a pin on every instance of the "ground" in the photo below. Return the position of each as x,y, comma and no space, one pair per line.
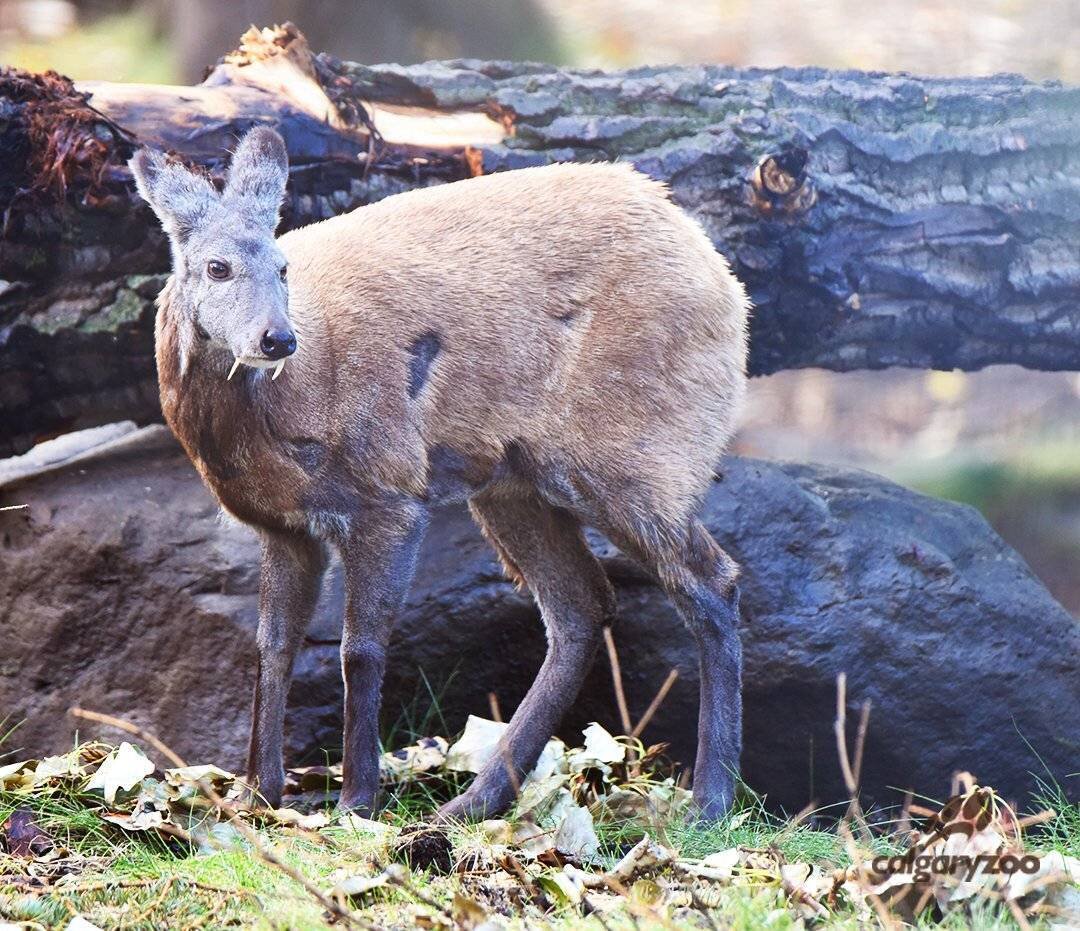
602,836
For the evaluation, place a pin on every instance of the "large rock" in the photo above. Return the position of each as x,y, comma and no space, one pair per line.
124,591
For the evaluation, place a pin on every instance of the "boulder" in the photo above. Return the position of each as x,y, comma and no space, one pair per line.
124,590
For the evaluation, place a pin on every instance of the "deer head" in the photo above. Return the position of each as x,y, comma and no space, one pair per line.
229,276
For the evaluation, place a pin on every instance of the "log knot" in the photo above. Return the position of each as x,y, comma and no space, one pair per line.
780,182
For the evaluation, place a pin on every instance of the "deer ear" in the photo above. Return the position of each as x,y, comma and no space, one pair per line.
257,177
180,198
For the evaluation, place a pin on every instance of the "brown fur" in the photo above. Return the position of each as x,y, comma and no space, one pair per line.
580,315
558,345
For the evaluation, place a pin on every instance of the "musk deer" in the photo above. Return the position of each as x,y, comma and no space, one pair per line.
558,346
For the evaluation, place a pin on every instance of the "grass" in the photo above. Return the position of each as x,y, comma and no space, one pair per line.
215,879
142,881
182,884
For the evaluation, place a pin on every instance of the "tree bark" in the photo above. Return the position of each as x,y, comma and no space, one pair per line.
876,219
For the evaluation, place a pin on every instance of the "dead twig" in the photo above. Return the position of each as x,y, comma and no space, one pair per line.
655,704
851,771
101,885
853,851
616,676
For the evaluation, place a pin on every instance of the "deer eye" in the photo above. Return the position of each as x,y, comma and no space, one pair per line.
284,272
218,270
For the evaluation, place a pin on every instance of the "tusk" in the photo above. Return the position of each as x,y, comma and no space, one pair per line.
278,370
232,371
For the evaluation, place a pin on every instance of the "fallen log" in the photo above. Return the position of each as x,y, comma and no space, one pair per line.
877,219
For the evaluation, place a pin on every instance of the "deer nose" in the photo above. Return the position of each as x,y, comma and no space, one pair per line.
277,344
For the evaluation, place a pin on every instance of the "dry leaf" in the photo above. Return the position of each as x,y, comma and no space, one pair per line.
424,756
497,831
477,744
646,892
601,747
10,777
360,825
149,814
468,913
576,837
21,836
124,768
538,793
561,886
718,867
186,775
645,855
294,818
350,886
65,766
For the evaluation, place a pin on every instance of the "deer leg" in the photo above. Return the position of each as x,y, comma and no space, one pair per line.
379,560
542,546
292,568
699,577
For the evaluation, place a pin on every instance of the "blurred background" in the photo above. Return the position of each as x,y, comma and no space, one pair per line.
1004,440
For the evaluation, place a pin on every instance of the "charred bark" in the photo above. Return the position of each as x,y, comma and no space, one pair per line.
877,219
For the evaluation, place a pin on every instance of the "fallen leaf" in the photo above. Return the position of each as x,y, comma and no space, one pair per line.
645,855
646,892
972,833
65,766
424,756
531,839
468,913
538,793
352,886
21,836
601,746
359,825
78,923
312,779
124,769
737,821
477,744
497,831
294,818
576,837
423,917
804,886
1054,870
655,805
718,866
10,777
561,886
149,814
185,775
